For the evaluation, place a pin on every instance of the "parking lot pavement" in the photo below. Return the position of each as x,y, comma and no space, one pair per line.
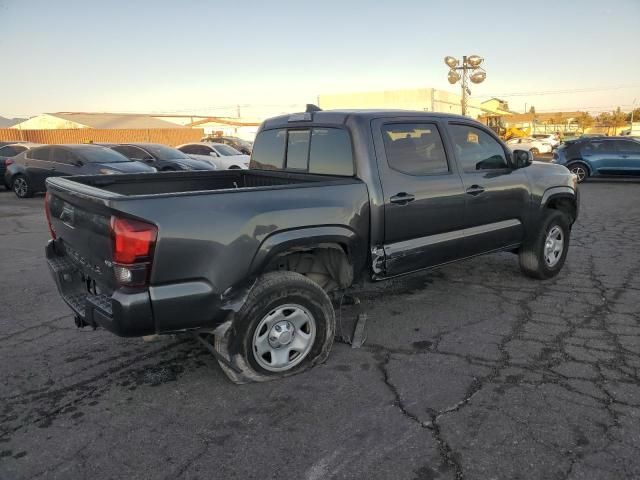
472,371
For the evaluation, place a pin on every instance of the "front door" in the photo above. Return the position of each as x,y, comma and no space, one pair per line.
423,195
496,195
629,154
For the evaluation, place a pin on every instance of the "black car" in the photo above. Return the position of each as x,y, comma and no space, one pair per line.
243,146
332,199
29,170
161,157
10,150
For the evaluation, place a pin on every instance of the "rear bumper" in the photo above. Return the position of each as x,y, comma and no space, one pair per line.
131,313
123,313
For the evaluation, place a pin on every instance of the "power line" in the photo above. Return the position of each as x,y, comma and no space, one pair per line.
557,92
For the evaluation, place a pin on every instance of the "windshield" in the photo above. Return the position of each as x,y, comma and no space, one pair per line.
95,154
226,150
162,152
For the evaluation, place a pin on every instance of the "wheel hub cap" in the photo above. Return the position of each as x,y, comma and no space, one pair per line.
281,334
553,246
284,337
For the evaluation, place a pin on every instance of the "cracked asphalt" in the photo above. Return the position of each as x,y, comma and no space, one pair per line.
468,372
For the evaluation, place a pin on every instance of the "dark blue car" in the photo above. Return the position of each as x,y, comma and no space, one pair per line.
600,156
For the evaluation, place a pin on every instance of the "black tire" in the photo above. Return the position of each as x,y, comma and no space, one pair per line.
532,253
580,170
21,187
234,167
274,291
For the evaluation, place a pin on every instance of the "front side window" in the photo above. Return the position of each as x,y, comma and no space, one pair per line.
476,149
414,148
40,153
60,155
625,146
226,150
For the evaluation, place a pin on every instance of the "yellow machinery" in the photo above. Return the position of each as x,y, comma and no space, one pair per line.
495,123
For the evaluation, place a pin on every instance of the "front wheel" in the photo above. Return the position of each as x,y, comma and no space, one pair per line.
543,255
286,326
580,170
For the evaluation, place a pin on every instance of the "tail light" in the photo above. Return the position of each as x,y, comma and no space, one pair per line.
48,215
8,162
133,245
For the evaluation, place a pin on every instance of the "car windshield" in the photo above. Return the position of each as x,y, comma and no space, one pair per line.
162,152
95,154
226,150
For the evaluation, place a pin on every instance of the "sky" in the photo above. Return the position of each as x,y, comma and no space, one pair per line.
205,57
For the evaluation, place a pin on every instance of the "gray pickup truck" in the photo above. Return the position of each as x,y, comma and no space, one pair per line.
332,199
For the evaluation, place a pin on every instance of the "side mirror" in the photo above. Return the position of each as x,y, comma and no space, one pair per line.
213,154
522,158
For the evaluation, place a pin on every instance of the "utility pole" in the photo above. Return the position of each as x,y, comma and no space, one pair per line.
471,64
238,111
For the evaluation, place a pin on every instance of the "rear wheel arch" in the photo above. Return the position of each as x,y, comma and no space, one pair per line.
324,254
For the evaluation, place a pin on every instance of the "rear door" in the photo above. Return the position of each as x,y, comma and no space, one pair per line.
38,167
602,156
497,196
423,195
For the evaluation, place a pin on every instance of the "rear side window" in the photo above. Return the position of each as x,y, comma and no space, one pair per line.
60,155
40,153
625,146
268,151
11,150
324,151
414,148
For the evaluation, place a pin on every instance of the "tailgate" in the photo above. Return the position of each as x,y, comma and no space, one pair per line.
82,229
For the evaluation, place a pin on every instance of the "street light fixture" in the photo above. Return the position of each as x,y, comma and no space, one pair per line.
471,64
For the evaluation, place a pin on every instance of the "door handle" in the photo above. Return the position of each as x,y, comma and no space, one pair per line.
475,190
402,198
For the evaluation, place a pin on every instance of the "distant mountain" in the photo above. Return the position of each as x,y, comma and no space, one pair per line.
9,122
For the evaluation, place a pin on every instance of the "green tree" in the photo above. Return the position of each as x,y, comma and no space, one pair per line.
584,121
618,118
532,110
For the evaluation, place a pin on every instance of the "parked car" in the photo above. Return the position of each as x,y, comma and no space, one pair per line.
530,144
29,170
243,146
222,156
10,150
332,199
600,156
552,139
161,157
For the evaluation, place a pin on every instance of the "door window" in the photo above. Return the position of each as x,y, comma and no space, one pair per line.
133,153
330,152
414,148
60,155
40,153
627,147
476,149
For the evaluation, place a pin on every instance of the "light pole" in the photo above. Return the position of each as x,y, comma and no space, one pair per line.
471,64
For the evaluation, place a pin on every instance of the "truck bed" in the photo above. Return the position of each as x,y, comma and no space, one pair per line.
189,182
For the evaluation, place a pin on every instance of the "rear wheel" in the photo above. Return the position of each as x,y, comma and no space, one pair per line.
21,187
286,326
544,254
580,170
